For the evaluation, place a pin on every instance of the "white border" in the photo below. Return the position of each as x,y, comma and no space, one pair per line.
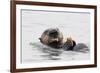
71,63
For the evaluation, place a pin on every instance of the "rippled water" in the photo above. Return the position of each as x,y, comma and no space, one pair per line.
40,53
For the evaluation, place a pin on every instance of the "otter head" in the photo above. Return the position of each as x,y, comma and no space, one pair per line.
52,37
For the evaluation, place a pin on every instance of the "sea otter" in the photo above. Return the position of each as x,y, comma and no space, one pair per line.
53,37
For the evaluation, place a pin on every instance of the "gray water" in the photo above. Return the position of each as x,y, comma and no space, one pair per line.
76,25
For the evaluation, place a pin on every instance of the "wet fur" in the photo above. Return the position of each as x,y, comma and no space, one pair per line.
58,41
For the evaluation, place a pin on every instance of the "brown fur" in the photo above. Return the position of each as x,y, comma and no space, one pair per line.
56,42
70,41
46,39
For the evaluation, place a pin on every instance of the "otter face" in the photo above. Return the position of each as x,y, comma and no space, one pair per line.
52,38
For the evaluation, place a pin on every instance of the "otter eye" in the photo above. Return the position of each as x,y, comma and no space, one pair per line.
53,34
